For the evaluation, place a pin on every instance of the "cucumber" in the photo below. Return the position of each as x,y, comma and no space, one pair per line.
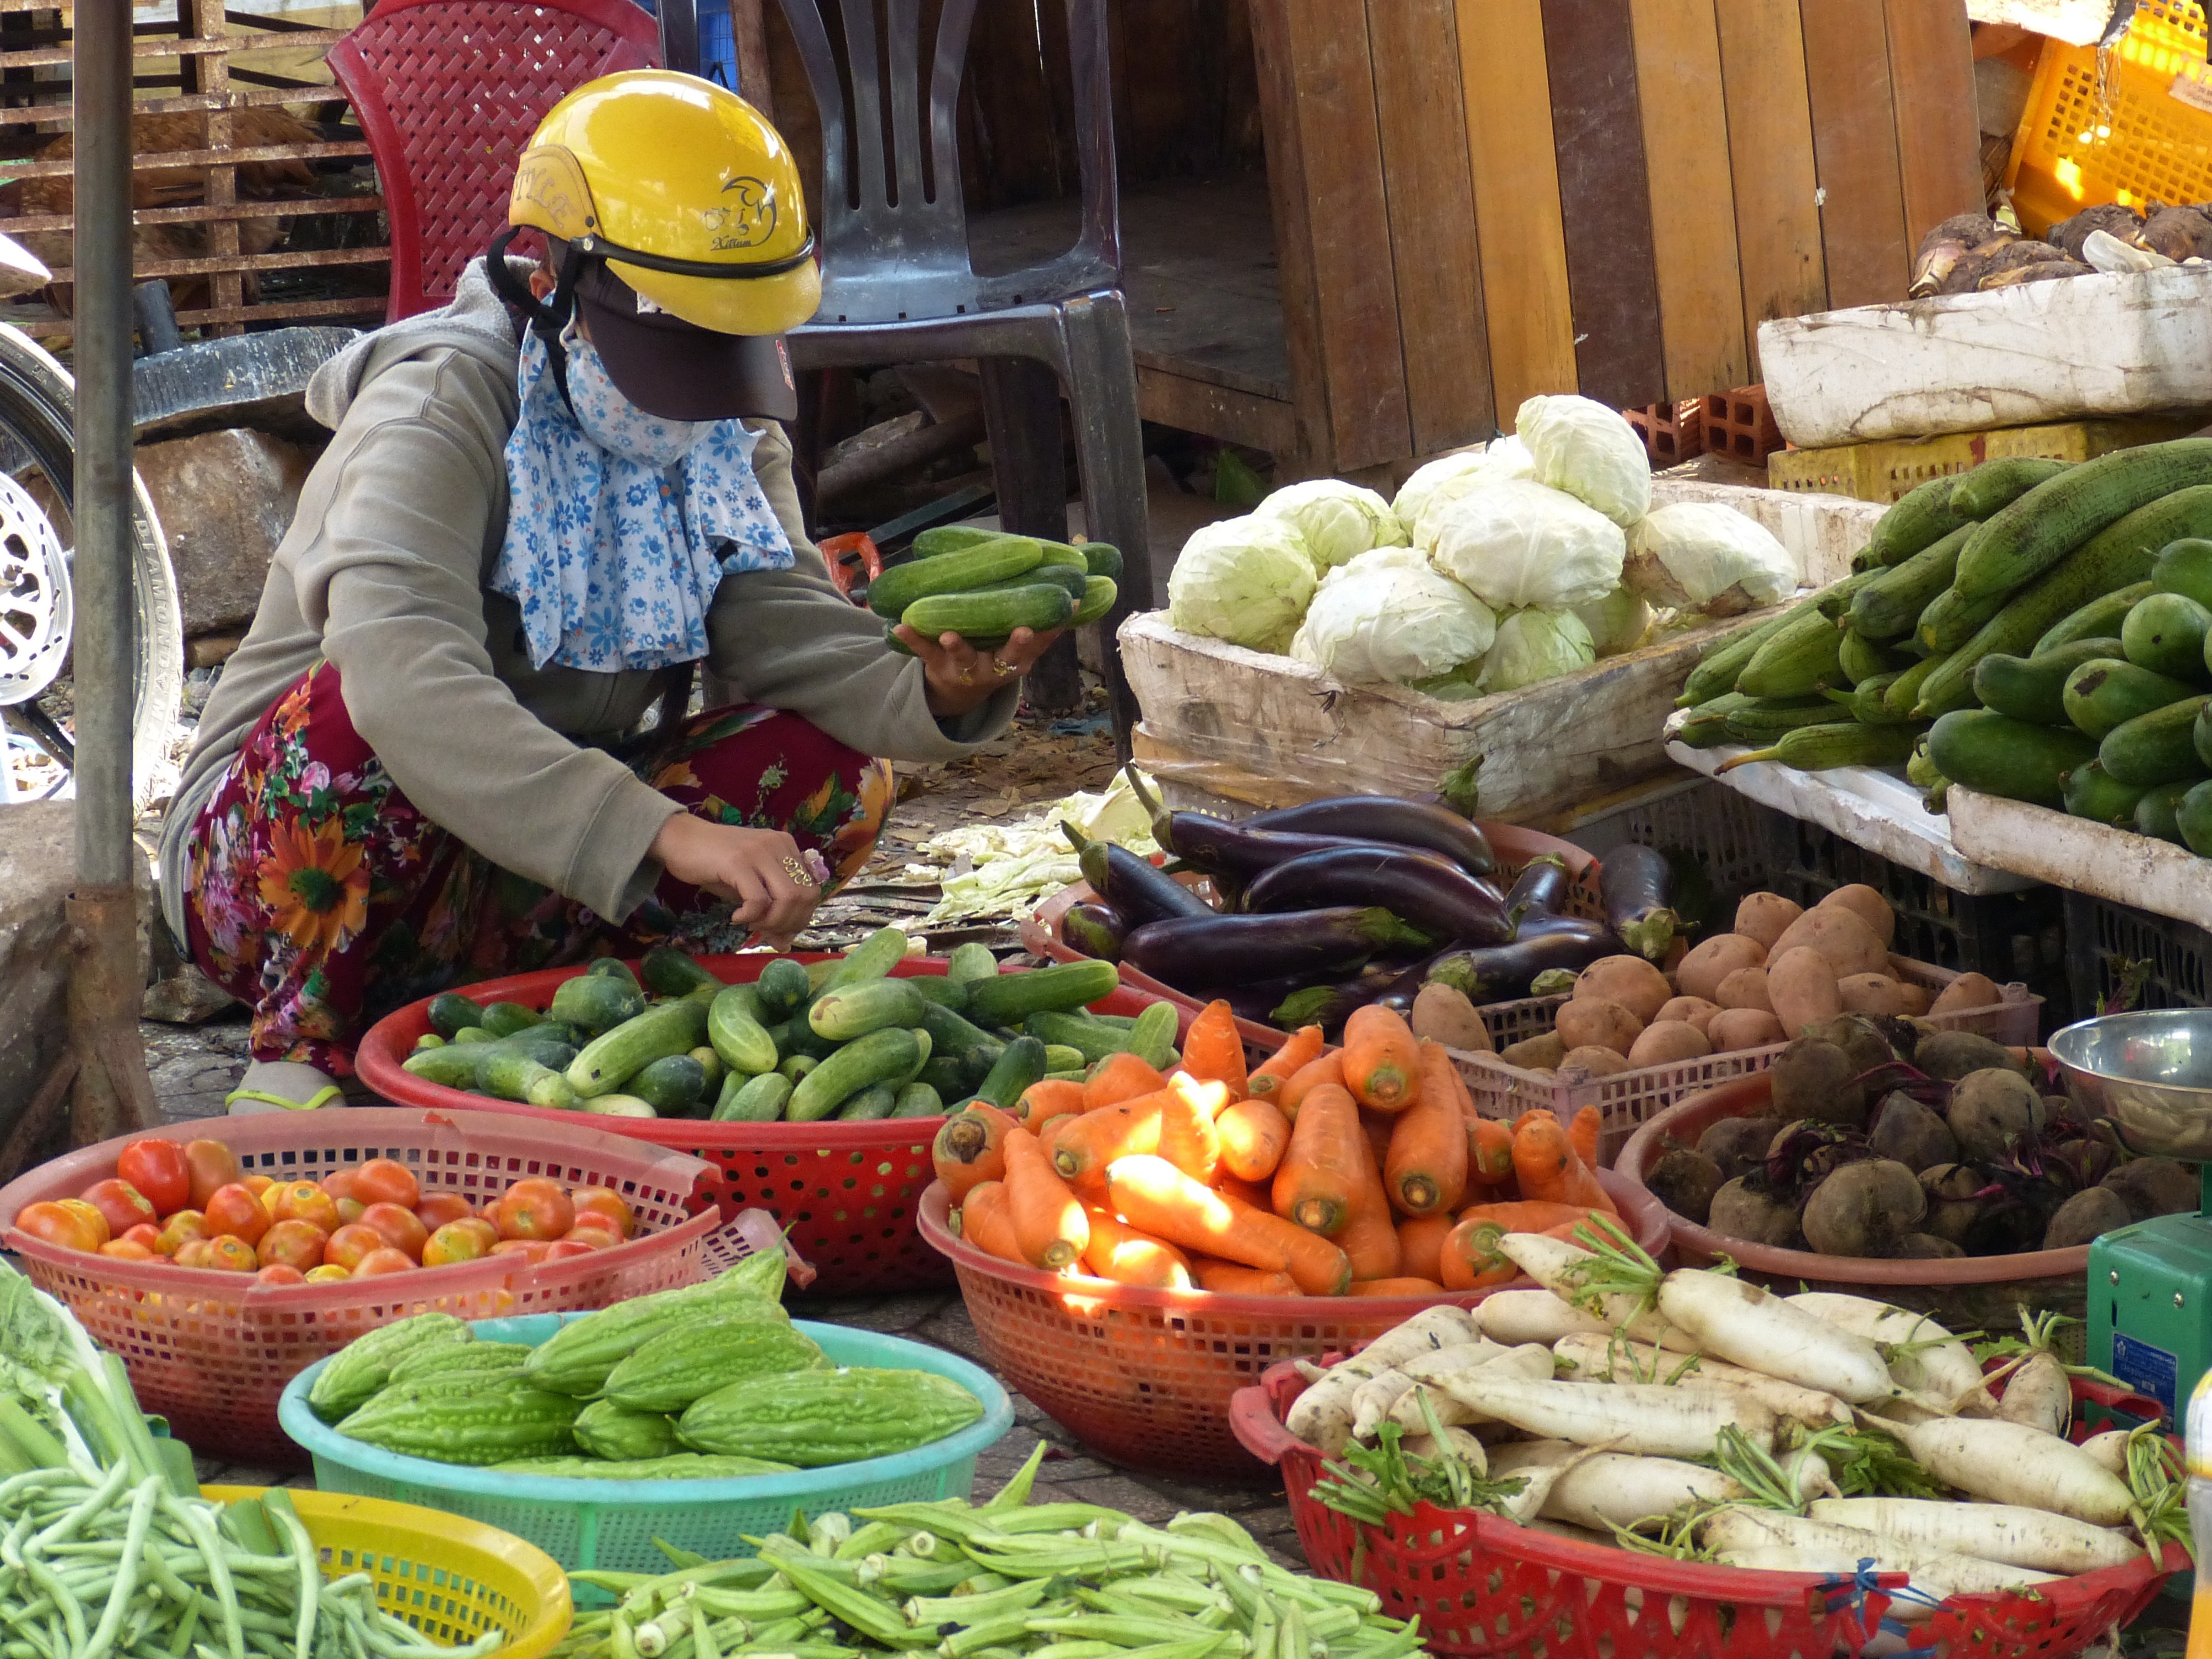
504,1019
990,616
1998,483
880,1057
1020,1065
2202,738
1922,517
942,989
951,538
1904,693
473,1034
2159,747
946,1077
1060,1058
1063,553
619,1106
2193,818
972,960
2165,633
462,1065
2031,535
2107,692
449,1011
797,1067
2091,793
1887,607
1999,756
2100,619
1152,1039
610,1060
1718,670
1797,659
429,1040
1096,598
2033,689
672,1085
1951,618
1063,987
871,958
1102,559
1705,726
1091,1039
513,1074
1862,659
1763,718
877,1101
919,1099
752,1099
596,1002
782,987
954,1037
899,588
923,1045
1840,743
710,1066
795,1037
1072,577
2185,568
853,1011
818,971
669,972
613,968
736,1034
2158,812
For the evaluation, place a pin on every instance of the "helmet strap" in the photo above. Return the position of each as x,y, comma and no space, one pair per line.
548,317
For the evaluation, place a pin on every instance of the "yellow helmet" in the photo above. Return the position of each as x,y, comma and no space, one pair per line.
686,193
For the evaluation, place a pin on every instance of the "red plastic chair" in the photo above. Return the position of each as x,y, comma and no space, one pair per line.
447,92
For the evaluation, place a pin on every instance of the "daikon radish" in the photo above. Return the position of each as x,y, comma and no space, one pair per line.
1613,1489
1557,1267
1944,1369
1457,1443
1777,1542
1516,1316
1996,1532
1651,1418
2038,1392
1530,1363
2110,1448
1322,1415
1761,1332
2010,1463
1540,1463
1372,1401
1601,1360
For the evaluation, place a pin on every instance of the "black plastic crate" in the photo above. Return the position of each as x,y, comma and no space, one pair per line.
2112,950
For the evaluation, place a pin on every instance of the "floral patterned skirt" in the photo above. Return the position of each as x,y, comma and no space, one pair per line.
320,895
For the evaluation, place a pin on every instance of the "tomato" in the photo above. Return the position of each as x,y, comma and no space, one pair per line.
349,1210
605,1200
211,1164
595,1230
329,1273
180,1229
530,1249
534,1209
232,1256
235,1212
256,1184
350,1243
457,1240
192,1252
280,1272
303,1201
383,1181
377,1263
157,1168
436,1209
92,1216
292,1242
145,1233
338,1183
400,1227
127,1250
268,1196
561,1249
122,1204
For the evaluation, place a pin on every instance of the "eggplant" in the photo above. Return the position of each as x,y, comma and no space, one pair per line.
1541,887
1386,818
1636,886
1137,891
1238,949
1449,903
1500,973
1095,929
1329,1005
1235,852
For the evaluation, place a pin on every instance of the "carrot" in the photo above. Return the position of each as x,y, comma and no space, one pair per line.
1319,1177
1381,1063
1410,1285
1187,1138
1098,1137
1378,1125
1584,1131
1213,1050
1489,1152
967,1151
1120,1077
1471,1259
1426,1169
1305,1045
1155,1197
1050,1229
1547,1167
1527,1215
1119,1252
1327,1068
1253,1136
1421,1242
1043,1101
1369,1238
984,1222
1254,1192
1231,1280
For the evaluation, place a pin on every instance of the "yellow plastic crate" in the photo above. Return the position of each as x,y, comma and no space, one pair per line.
1885,470
2146,140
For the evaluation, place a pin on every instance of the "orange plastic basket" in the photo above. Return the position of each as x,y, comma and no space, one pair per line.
1143,1377
212,1351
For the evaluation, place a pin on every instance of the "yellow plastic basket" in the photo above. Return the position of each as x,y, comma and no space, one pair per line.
1886,468
450,1579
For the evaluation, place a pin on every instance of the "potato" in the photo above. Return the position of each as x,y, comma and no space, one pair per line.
1864,1209
1991,1112
1696,1010
1950,1055
1598,1062
1441,1013
1705,968
1914,997
1630,981
1841,937
2154,1186
1967,991
1869,906
1588,1020
1871,994
2082,1218
1813,1078
1738,1144
1907,1133
1753,1215
1665,1042
1765,917
1746,988
1536,1054
1685,1181
1802,983
1735,1030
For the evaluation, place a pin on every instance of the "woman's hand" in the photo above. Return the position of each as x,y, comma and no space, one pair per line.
960,677
761,872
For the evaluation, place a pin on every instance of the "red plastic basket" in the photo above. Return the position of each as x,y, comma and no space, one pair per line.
1143,1377
846,1192
211,1351
1485,1588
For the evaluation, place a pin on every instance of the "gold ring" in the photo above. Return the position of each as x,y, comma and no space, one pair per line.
798,872
966,677
1002,669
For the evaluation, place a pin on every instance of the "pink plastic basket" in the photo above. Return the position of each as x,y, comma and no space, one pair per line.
211,1351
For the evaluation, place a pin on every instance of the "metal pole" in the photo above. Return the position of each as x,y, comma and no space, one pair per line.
113,1095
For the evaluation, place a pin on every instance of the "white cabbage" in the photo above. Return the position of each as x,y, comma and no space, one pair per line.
1534,645
1518,543
1618,622
1698,555
1449,476
1338,520
1246,580
1391,616
1590,451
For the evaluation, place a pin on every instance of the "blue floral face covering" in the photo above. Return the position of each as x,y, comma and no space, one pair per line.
620,525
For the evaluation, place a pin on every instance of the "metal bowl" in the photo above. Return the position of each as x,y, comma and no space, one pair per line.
2150,1073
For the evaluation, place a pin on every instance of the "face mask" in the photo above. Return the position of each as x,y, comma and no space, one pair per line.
612,422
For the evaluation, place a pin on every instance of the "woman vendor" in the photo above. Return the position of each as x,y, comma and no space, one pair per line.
540,509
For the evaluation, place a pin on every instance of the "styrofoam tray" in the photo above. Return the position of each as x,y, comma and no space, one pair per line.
2119,864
